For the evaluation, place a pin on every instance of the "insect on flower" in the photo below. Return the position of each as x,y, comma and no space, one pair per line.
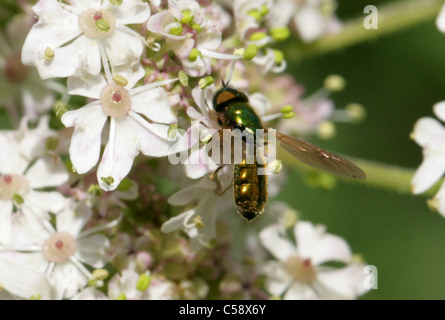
250,188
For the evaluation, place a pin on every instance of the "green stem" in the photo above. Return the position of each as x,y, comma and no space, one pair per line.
392,17
378,175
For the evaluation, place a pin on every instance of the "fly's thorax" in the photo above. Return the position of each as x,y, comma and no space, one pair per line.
240,115
227,96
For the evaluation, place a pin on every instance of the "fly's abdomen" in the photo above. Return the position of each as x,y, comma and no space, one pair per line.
250,190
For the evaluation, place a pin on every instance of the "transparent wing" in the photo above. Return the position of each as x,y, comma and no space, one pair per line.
319,158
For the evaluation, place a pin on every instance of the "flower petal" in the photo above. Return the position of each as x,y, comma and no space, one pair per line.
260,103
56,26
331,248
48,171
153,104
152,138
33,140
277,279
182,48
122,47
199,164
344,283
67,279
124,284
83,53
156,25
177,222
428,173
278,246
87,85
85,143
90,293
14,162
5,222
43,202
313,242
299,291
127,137
27,236
439,108
440,198
191,193
73,218
130,11
309,22
210,39
93,250
82,5
119,153
429,132
132,72
23,281
440,21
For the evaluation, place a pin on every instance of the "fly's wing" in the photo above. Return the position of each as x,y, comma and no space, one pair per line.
319,158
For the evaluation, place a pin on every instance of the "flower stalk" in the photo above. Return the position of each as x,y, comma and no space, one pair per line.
379,175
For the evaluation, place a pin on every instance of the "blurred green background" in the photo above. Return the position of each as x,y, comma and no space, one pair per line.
398,78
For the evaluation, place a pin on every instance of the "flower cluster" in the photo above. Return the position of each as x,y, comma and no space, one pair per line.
430,135
84,216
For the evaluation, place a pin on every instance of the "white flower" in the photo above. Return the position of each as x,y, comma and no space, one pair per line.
203,127
23,173
248,16
90,293
58,253
270,61
312,18
20,86
430,135
175,24
299,272
440,21
191,35
128,287
130,132
21,281
199,222
72,38
310,113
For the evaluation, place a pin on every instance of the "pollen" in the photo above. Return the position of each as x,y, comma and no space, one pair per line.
59,247
115,101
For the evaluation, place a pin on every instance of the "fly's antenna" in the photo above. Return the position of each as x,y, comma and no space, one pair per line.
229,76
